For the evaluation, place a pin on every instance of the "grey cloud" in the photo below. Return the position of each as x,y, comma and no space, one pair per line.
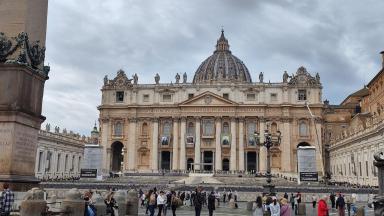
89,39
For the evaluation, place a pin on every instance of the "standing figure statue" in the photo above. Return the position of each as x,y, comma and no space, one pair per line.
57,129
285,77
135,78
105,80
177,77
261,77
157,78
185,77
317,78
48,127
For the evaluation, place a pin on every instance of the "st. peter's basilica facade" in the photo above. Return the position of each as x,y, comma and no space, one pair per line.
211,122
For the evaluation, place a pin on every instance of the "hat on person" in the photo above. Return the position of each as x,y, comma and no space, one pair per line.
283,201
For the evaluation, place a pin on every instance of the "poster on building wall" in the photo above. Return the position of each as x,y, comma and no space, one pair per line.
306,164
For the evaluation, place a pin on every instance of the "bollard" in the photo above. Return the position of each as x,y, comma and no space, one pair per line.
132,206
73,204
249,206
99,204
301,210
33,203
120,197
379,199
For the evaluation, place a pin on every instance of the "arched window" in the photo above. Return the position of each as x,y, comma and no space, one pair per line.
191,129
303,129
167,128
225,128
144,129
118,129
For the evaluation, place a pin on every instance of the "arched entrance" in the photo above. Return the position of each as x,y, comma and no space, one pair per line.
190,164
117,156
251,161
225,164
303,144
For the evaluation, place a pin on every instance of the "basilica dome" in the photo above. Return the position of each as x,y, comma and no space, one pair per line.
222,66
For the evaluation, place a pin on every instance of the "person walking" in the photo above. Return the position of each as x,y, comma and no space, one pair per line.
274,207
111,204
7,198
285,210
286,195
292,201
314,201
340,203
151,202
161,202
332,198
175,202
211,203
322,209
90,209
198,201
257,208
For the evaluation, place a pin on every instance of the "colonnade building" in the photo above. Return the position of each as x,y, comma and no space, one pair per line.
208,123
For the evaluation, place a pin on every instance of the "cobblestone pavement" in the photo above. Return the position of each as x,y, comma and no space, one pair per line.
224,211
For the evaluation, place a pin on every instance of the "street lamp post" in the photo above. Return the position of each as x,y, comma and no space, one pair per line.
270,140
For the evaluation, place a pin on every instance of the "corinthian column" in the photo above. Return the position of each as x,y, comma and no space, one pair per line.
218,165
182,144
155,144
233,145
175,144
286,147
241,144
132,144
263,150
197,144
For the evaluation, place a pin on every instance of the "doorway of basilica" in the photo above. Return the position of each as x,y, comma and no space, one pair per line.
190,164
166,160
208,158
117,156
251,161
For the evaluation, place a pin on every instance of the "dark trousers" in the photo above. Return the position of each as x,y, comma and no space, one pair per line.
210,212
293,205
197,211
173,210
333,203
314,204
151,209
160,209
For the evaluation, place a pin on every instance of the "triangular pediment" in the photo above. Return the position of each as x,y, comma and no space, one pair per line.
208,99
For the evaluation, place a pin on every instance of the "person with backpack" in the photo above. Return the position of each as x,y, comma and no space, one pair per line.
151,202
211,203
322,209
198,201
90,209
111,204
175,202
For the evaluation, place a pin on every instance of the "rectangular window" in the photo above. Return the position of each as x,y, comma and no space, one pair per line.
273,97
302,95
226,95
361,172
251,97
190,96
119,96
349,169
208,127
146,98
366,168
167,98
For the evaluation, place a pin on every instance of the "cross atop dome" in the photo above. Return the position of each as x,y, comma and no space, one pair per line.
222,43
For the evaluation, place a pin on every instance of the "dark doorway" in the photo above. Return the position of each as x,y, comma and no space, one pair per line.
190,164
251,161
225,164
117,157
166,160
208,158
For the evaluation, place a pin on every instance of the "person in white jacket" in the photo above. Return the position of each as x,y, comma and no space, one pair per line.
274,207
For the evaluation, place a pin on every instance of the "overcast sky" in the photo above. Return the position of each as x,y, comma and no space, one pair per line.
89,39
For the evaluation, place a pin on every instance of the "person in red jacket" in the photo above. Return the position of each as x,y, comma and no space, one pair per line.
322,209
